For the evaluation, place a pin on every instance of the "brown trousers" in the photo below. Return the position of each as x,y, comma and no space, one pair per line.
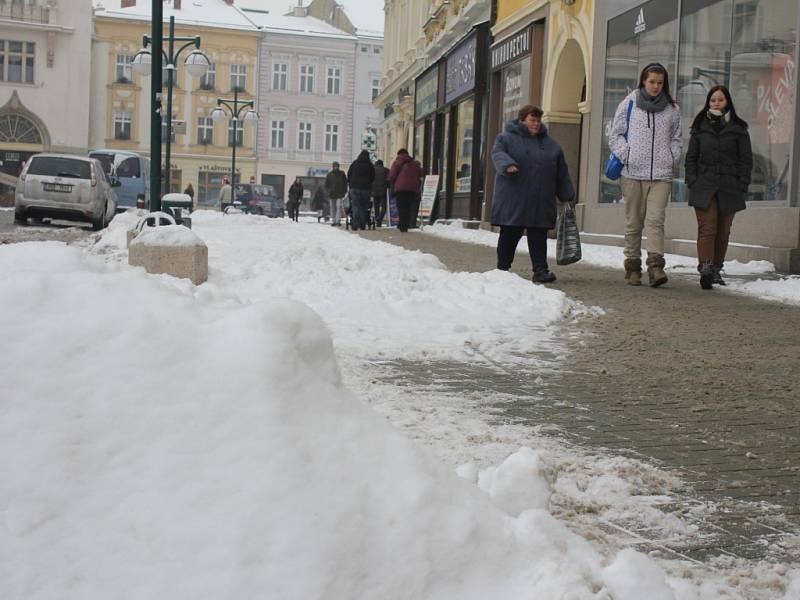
713,233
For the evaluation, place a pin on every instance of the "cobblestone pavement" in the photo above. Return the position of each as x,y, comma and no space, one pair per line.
703,384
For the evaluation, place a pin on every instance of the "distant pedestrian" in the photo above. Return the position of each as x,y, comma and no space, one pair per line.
336,188
653,144
189,191
718,166
318,203
531,174
379,187
360,177
225,194
404,176
295,198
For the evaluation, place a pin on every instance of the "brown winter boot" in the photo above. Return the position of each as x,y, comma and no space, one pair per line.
655,269
633,271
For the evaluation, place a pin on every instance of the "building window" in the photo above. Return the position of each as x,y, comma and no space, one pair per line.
376,50
304,135
124,72
280,74
376,88
209,80
238,78
16,61
334,84
278,131
16,129
364,49
239,134
307,79
208,185
164,129
464,138
122,125
205,131
331,137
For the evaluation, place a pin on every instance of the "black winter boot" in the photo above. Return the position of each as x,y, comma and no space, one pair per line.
707,275
718,280
543,276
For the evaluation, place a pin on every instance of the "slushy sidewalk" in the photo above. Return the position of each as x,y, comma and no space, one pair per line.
705,384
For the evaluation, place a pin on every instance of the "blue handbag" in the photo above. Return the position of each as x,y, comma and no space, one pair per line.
614,165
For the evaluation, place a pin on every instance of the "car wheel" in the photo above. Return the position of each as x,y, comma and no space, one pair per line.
20,218
100,221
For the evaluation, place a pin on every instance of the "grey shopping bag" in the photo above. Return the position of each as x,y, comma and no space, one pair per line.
568,239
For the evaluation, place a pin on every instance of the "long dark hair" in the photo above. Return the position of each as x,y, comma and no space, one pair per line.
658,69
702,114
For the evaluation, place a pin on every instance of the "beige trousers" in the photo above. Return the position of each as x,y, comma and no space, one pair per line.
645,208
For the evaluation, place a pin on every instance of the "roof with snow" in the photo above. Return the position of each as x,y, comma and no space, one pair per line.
308,26
204,13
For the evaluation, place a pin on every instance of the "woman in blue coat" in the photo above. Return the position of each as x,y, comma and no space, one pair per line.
531,173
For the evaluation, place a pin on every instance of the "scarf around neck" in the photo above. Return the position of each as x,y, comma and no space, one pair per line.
649,103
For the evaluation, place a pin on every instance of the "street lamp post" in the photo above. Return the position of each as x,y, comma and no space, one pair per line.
235,108
196,65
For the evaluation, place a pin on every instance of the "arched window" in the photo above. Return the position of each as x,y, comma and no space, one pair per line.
16,129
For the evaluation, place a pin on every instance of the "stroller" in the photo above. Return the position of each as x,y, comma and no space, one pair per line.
369,223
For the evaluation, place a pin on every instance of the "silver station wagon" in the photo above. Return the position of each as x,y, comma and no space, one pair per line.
65,186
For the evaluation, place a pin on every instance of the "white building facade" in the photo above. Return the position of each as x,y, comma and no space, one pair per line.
369,72
306,93
45,67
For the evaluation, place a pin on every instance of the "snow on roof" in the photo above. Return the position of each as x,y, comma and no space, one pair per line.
207,13
295,25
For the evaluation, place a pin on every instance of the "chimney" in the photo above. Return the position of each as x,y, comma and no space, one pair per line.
176,4
299,11
127,3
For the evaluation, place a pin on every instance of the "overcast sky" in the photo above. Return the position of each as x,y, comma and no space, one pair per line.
365,14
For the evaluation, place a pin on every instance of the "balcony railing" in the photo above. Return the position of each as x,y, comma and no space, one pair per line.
27,11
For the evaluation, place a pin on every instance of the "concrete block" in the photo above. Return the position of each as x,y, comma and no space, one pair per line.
172,249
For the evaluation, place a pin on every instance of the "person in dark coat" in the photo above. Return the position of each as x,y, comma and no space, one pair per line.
318,203
404,176
336,188
360,177
718,166
295,198
531,174
379,186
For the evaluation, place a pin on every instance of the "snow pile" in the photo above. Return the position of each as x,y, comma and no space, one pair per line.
173,446
785,289
167,235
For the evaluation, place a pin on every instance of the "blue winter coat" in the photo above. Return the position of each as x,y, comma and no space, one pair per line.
528,198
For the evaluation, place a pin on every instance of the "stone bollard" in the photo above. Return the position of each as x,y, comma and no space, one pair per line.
171,249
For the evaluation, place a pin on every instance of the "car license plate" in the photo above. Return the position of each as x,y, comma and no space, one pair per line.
56,187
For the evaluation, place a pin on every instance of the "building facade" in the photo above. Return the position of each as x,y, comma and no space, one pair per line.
369,72
404,60
45,49
748,45
200,149
305,99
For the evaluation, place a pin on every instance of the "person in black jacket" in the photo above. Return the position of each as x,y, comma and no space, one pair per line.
336,188
295,198
379,186
718,166
360,176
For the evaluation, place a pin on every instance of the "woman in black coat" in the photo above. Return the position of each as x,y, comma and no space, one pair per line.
718,166
531,173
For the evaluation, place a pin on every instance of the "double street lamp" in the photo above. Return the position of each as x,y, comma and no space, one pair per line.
234,108
196,64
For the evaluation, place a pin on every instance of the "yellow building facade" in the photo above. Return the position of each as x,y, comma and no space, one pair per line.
541,54
201,150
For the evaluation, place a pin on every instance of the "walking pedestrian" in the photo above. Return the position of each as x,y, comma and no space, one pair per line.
225,194
718,166
653,145
531,174
379,186
404,176
360,177
318,203
295,198
336,188
189,191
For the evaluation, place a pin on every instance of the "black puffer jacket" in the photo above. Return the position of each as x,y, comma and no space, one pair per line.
719,161
361,173
381,182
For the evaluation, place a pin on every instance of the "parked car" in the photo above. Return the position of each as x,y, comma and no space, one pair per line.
65,186
133,172
258,199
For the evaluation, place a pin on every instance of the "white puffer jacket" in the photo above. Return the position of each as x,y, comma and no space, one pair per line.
654,140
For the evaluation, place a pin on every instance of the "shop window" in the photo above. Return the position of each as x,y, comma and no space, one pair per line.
419,143
208,186
516,82
174,186
464,138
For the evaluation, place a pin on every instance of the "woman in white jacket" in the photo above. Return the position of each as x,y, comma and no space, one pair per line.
652,149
